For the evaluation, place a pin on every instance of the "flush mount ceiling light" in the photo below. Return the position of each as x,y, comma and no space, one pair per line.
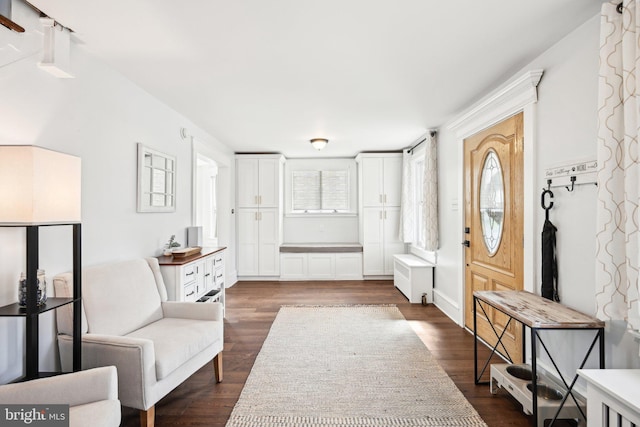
319,143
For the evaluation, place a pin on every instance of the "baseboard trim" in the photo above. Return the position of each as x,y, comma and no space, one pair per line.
259,278
447,306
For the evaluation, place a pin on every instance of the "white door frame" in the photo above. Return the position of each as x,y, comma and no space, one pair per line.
521,94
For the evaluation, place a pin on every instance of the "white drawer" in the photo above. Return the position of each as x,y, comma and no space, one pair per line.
189,273
218,259
219,278
190,292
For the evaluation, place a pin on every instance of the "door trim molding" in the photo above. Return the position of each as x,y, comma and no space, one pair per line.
499,105
518,95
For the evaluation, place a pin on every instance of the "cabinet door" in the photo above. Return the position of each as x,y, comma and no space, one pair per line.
322,266
372,181
293,266
392,243
247,183
209,273
248,242
268,183
373,241
269,243
349,266
392,187
200,279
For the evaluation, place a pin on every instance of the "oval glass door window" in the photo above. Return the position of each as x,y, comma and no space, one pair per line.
492,202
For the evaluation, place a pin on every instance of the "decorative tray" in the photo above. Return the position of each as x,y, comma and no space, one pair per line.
185,252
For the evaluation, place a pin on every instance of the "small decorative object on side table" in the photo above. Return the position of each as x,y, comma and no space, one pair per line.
41,296
185,252
170,245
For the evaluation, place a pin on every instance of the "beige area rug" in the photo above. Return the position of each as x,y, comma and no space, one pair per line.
348,366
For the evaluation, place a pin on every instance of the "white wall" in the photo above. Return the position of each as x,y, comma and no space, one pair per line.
99,116
565,130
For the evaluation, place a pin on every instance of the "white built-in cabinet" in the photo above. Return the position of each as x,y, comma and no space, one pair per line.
380,191
259,186
321,266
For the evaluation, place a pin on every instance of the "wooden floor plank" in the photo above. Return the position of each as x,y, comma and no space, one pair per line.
251,309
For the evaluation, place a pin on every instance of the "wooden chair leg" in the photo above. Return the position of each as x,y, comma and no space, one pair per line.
148,417
217,367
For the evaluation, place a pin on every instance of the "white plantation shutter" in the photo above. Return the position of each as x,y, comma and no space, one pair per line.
335,190
320,191
306,190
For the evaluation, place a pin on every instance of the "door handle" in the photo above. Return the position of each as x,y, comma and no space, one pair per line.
466,243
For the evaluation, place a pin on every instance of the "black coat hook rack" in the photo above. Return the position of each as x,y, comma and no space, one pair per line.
545,192
573,180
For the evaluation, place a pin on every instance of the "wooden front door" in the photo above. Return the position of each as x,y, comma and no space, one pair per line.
494,225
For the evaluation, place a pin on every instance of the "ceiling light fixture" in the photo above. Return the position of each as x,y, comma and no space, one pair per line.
319,143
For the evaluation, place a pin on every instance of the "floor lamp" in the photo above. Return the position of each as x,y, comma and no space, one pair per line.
41,187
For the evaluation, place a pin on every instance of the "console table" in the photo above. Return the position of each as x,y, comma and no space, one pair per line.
537,314
198,277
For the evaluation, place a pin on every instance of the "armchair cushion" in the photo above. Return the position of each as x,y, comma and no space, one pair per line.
92,395
176,341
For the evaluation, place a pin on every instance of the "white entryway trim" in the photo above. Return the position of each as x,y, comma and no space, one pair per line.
520,94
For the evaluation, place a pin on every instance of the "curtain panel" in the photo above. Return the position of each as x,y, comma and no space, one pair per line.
430,196
617,257
407,206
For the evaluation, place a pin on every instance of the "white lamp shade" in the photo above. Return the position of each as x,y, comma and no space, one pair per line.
38,186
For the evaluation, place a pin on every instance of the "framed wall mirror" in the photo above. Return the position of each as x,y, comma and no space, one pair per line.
156,181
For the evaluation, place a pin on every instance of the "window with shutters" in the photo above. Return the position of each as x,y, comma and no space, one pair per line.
319,191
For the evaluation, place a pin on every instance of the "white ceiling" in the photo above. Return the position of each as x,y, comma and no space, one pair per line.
268,75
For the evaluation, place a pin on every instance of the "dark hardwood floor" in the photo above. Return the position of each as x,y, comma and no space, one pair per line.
252,307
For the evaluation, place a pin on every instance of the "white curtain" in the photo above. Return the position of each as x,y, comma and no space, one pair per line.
617,258
430,196
407,206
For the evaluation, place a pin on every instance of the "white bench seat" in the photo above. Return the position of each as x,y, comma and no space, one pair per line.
321,261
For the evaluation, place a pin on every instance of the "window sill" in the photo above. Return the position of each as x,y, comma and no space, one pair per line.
321,215
432,257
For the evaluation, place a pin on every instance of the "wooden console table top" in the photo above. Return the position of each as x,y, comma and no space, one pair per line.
536,312
170,260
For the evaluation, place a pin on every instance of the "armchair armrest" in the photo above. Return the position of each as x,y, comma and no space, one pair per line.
193,310
134,359
77,388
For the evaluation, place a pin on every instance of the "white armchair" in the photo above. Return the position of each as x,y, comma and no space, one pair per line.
127,322
92,396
